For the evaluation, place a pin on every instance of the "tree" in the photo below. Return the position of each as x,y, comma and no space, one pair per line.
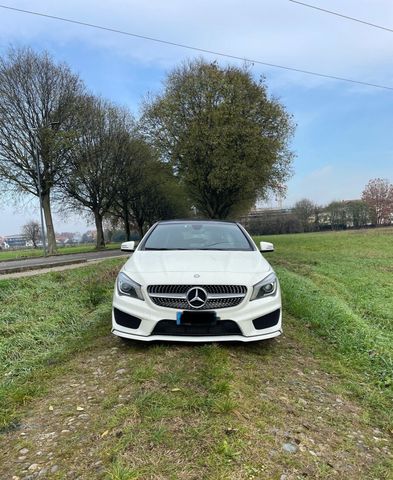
160,196
90,181
378,194
338,215
305,211
130,180
146,190
225,138
32,232
37,106
358,213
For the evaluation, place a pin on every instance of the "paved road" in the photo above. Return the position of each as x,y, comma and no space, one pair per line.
45,262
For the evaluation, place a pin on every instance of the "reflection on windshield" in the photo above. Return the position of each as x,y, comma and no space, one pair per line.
197,236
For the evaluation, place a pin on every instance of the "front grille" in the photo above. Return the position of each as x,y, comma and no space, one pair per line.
218,296
222,327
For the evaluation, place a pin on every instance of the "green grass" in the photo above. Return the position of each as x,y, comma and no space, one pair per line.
43,320
209,411
341,284
34,253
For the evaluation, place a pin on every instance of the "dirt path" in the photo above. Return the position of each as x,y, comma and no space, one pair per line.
271,410
56,263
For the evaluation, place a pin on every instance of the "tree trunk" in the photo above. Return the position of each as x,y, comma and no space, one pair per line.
50,231
100,232
127,227
140,228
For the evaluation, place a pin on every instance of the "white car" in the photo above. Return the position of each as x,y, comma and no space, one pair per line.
197,281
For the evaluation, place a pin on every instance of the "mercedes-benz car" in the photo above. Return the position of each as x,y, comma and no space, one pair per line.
197,281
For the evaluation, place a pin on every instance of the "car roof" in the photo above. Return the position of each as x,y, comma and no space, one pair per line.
193,220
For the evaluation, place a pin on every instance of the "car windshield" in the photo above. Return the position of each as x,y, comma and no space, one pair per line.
197,236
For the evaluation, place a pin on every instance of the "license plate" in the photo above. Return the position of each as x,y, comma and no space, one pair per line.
196,318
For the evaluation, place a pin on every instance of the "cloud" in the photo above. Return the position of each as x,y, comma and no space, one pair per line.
343,129
275,31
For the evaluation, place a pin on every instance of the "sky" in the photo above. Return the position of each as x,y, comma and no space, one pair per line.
344,131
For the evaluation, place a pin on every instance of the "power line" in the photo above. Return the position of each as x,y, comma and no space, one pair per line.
347,17
197,49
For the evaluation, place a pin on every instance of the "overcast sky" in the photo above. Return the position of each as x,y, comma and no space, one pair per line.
344,133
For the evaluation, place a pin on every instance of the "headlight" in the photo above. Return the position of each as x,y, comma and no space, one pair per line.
265,288
126,286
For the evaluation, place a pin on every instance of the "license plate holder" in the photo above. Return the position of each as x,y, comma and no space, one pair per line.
208,318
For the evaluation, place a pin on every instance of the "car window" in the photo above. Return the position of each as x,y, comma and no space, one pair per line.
197,236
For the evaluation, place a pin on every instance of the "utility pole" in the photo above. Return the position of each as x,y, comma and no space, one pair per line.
43,235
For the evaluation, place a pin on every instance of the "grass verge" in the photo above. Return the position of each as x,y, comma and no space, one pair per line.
43,321
359,348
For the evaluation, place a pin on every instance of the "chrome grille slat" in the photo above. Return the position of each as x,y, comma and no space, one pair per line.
219,296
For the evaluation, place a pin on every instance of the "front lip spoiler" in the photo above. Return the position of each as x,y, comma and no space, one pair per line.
197,339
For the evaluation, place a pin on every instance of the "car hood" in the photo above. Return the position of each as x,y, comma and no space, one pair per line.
226,267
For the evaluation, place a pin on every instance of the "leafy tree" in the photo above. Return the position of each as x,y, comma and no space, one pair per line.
146,189
160,197
118,236
37,108
305,211
130,179
275,223
338,215
87,237
378,195
32,232
90,182
226,139
149,193
358,212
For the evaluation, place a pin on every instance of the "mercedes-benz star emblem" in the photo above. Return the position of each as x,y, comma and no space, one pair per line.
196,297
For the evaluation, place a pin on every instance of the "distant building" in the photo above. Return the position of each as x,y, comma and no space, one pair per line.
3,244
264,213
15,241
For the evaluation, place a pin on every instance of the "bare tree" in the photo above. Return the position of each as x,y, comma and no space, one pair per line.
94,160
32,232
378,194
37,109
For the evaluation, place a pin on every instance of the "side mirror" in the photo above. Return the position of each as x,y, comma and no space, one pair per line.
127,246
266,247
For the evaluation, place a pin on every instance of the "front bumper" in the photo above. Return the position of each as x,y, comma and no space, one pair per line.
242,315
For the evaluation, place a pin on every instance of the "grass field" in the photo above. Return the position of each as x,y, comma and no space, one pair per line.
33,253
315,403
341,283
